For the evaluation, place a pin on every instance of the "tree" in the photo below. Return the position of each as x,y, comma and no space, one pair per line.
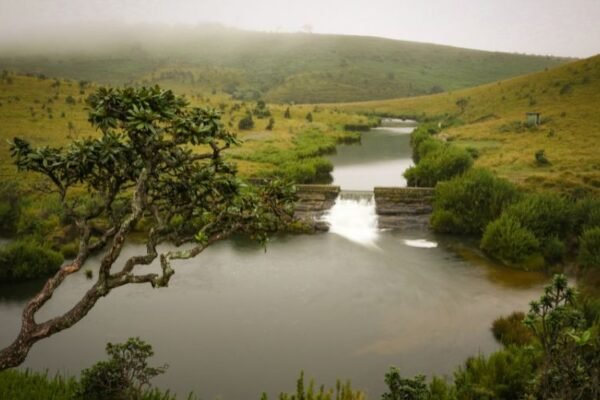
309,117
141,167
125,376
462,103
271,124
287,113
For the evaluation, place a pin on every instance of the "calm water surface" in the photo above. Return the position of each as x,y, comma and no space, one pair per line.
237,321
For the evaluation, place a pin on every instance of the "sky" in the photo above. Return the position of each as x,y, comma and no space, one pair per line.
555,27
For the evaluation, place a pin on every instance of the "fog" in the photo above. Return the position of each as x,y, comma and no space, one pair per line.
556,27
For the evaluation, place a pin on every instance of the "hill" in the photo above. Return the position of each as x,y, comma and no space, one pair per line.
278,67
493,121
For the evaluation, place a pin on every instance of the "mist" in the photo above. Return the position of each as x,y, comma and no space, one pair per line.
559,27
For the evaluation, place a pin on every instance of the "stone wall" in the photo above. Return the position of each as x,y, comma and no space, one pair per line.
404,208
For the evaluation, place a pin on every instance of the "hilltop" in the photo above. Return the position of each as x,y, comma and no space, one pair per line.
277,67
492,120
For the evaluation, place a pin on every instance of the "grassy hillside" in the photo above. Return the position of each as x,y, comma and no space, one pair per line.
568,98
279,67
52,112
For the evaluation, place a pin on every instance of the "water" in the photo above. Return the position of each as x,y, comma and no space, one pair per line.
380,160
237,321
353,217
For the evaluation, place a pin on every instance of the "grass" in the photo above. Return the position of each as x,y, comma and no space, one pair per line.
494,122
37,109
278,67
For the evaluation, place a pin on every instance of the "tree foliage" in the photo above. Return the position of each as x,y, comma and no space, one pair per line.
142,168
126,375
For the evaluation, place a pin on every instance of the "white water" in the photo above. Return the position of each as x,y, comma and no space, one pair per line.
353,217
422,243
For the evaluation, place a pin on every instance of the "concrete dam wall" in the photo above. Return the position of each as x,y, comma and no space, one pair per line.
396,207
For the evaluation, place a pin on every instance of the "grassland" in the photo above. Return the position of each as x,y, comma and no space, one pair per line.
494,122
278,67
52,112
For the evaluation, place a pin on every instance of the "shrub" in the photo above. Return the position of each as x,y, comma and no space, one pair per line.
287,113
125,376
426,147
589,248
468,203
271,124
506,240
504,375
246,123
27,260
586,214
309,117
343,391
439,165
405,388
554,250
546,215
540,158
10,208
511,330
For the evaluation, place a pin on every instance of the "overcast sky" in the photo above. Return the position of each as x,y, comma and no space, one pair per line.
557,27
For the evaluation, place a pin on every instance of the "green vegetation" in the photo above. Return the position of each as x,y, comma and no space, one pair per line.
26,260
494,123
506,240
511,330
439,164
468,203
276,67
589,252
126,375
343,391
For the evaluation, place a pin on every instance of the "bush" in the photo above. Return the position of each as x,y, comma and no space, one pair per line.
546,215
506,375
586,214
589,248
426,147
27,260
10,208
439,165
511,330
507,241
540,158
468,203
405,388
554,250
246,123
125,376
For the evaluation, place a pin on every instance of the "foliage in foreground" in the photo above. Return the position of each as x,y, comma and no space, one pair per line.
126,375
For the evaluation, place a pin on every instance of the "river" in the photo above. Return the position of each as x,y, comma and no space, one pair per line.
237,321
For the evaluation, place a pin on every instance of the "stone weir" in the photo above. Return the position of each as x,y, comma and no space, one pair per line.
403,207
396,207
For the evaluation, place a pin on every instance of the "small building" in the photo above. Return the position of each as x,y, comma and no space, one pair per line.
533,118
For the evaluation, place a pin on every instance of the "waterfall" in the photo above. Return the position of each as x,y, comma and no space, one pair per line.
353,217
